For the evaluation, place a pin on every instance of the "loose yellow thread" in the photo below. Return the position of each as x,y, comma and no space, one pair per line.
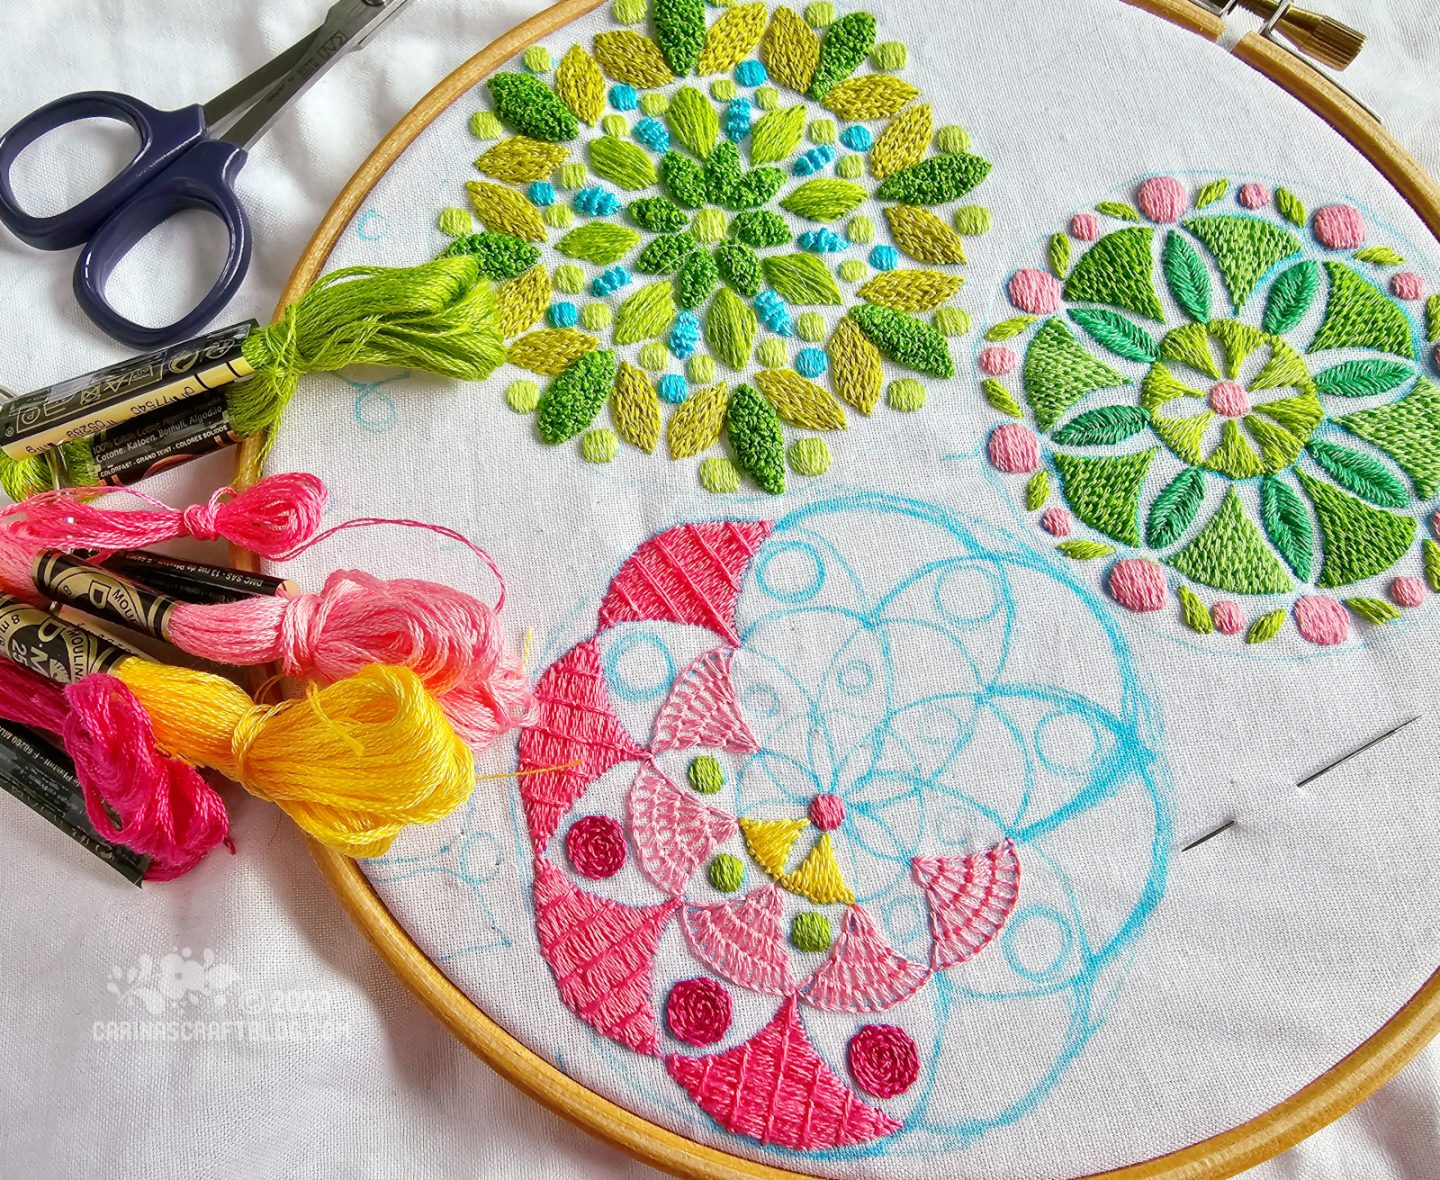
732,37
911,290
581,85
697,424
635,408
924,236
522,301
550,351
856,371
633,58
487,778
790,50
800,402
505,211
903,142
874,96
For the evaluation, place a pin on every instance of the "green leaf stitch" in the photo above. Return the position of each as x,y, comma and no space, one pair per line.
1211,193
573,399
1186,276
1113,331
1059,255
1291,296
1000,398
1379,255
757,438
1194,612
1006,329
1175,508
1080,549
1118,209
1291,207
1266,627
1430,555
1287,524
729,326
904,339
802,280
1104,492
1368,478
1037,491
1362,378
1374,610
1103,426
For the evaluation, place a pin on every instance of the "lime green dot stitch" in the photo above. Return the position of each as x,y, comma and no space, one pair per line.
558,216
811,932
822,131
773,353
906,395
523,396
726,873
706,775
724,89
572,176
973,220
850,167
596,316
891,55
628,12
719,476
569,280
852,270
599,445
484,125
809,456
654,104
810,326
537,60
767,98
654,356
616,126
700,368
953,139
454,222
861,231
710,225
820,15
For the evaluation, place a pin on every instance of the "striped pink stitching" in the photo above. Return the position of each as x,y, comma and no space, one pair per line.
864,973
672,830
702,710
743,940
970,898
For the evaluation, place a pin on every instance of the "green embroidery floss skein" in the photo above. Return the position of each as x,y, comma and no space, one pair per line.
438,317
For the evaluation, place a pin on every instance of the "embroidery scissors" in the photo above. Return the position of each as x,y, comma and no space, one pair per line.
187,159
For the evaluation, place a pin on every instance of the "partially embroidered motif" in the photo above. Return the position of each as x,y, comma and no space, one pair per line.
1298,437
742,941
674,833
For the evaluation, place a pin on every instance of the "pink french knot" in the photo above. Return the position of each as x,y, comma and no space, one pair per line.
1036,292
1056,521
1254,196
1322,620
1138,584
742,940
776,1088
602,954
1407,591
702,710
687,574
1228,617
673,831
864,973
970,899
1163,198
1085,227
1341,227
1408,285
998,361
1014,449
573,724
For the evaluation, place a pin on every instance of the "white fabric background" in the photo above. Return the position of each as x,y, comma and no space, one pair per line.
396,1094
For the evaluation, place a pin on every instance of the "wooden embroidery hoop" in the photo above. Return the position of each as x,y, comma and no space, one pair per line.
1347,1083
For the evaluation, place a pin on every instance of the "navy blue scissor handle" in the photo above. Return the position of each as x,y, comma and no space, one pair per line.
176,168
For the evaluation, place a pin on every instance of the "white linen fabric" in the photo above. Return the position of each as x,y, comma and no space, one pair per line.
352,1077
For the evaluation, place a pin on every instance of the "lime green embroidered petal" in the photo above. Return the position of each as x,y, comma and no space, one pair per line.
1291,207
1184,435
1359,315
1081,549
1287,524
1190,346
1279,447
1037,491
776,135
1368,478
757,439
1409,432
1233,455
1118,270
721,477
600,242
809,456
1285,369
573,399
455,222
1237,342
693,121
697,424
1000,399
800,402
1266,627
1194,612
1230,553
874,96
1161,386
521,159
599,445
622,162
1431,560
1358,541
1212,192
1245,248
1380,256
729,327
802,280
647,314
1059,372
502,210
1299,415
1105,492
823,199
580,85
905,340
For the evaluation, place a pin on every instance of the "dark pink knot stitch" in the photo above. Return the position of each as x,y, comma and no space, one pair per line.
596,847
883,1060
698,1011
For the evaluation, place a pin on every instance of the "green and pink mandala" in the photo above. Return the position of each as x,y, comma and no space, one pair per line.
1224,398
720,285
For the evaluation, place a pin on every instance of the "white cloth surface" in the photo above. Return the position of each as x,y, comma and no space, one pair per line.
384,1089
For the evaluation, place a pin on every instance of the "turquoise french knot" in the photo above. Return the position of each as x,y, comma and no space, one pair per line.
624,98
750,73
542,194
814,160
884,258
775,313
857,138
672,389
563,315
653,133
737,118
684,335
811,362
822,241
610,281
596,202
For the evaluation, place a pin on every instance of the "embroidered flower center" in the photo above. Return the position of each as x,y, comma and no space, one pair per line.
1230,399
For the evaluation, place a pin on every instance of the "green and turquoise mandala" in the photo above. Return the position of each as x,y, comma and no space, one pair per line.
1226,397
724,263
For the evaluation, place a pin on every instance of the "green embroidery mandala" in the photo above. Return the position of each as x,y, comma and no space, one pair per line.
737,289
1230,386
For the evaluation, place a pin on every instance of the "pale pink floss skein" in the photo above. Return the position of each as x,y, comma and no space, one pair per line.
272,518
166,810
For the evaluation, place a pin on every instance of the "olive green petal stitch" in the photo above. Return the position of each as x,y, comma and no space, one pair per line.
1186,276
1291,296
1230,553
573,399
1059,372
800,402
999,398
923,236
1058,255
622,162
1105,492
1432,319
740,267
1037,491
790,50
647,314
1211,193
936,180
635,408
697,425
663,255
580,85
631,57
1118,209
1368,478
521,159
1008,329
757,438
697,278
680,32
1430,556
729,327
522,300
856,371
684,180
659,215
823,199
550,351
1082,549
525,104
1118,270
874,96
777,134
1409,432
1379,256
1374,610
600,242
1194,612
903,142
1245,248
846,45
732,37
1359,315
1266,627
905,340
911,290
1287,524
693,121
802,280
500,256
503,210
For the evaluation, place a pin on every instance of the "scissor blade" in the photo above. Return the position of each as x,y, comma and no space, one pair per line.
348,25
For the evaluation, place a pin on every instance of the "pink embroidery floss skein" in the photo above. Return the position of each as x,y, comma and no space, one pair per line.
449,639
134,795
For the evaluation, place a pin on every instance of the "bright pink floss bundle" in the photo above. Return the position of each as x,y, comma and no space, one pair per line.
164,808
